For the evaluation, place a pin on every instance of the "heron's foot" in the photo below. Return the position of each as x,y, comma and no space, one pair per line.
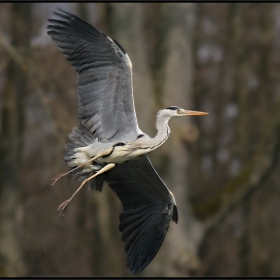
62,207
55,179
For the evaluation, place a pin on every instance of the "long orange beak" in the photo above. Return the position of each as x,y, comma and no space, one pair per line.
194,113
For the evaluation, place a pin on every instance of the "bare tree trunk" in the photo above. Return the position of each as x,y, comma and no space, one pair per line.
12,127
237,68
222,169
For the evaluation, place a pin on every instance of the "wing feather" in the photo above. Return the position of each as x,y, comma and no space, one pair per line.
104,73
148,209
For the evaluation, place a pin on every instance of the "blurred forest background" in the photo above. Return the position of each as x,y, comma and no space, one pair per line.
223,168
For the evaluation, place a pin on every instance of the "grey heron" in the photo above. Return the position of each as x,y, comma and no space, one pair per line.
108,145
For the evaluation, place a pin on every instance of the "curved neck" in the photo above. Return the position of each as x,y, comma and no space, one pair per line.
163,130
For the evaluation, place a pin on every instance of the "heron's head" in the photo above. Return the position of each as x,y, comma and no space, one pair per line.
175,111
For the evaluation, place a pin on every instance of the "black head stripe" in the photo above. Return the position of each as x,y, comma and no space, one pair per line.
173,108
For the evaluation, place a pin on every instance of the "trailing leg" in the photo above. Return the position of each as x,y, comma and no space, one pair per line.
64,205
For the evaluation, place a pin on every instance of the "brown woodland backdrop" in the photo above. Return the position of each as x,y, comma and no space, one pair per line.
224,169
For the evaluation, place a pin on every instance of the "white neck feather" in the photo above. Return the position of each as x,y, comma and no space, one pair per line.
163,130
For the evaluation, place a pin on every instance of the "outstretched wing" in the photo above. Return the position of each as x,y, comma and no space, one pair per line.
104,72
148,209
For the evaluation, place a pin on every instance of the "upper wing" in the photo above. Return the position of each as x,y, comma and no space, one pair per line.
104,73
148,209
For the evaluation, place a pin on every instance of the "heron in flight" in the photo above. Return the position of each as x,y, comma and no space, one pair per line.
108,145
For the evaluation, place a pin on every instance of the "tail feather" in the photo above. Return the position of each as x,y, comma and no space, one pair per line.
81,137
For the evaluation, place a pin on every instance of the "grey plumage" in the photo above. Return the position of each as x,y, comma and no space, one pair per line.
103,70
108,144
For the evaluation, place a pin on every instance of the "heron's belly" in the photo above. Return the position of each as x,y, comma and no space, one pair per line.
121,154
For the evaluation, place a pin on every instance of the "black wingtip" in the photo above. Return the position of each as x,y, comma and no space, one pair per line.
62,14
175,214
67,13
61,10
148,249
